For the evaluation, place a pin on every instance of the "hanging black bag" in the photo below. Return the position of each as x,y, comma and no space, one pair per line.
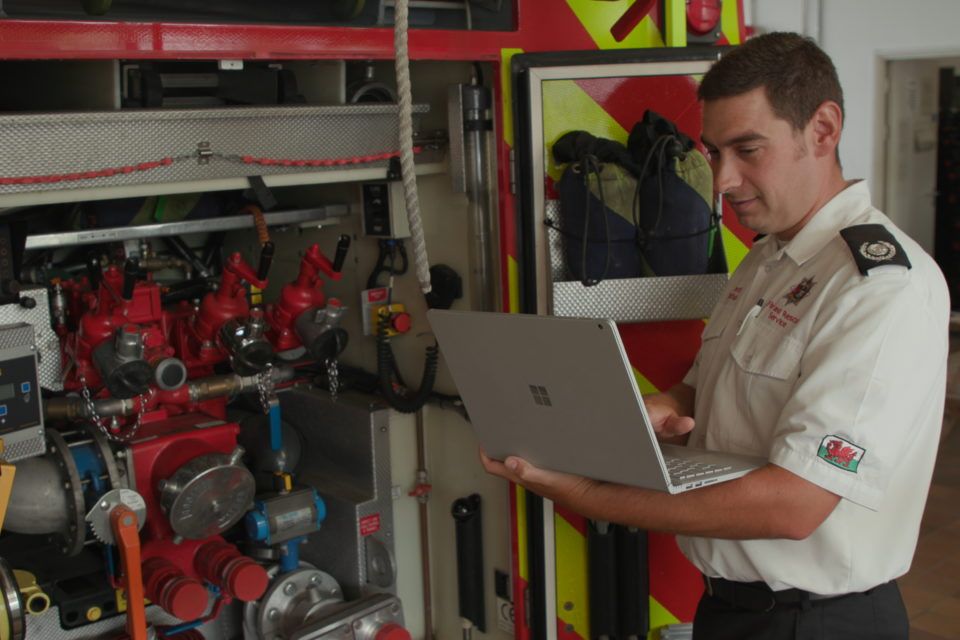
640,210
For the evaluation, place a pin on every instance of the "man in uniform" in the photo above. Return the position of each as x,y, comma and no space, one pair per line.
826,354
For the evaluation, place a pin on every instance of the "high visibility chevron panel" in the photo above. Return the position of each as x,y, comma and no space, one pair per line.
660,353
599,19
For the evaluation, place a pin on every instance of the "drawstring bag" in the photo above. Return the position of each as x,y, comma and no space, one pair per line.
636,211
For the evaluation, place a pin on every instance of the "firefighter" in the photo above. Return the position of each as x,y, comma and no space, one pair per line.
826,354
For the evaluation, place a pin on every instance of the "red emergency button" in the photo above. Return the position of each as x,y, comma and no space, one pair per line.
393,631
401,322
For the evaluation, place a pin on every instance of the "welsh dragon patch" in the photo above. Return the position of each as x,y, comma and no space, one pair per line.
841,453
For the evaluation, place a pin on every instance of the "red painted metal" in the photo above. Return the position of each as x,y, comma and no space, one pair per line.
538,23
631,18
228,301
101,313
163,447
304,293
703,15
171,589
392,631
237,575
195,336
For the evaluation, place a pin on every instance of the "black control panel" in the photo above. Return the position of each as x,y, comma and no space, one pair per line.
19,394
376,209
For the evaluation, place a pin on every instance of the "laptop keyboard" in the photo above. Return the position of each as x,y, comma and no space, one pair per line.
683,470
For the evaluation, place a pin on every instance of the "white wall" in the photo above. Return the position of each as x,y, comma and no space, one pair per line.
859,35
911,145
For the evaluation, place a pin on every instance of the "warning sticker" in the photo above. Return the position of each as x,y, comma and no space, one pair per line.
369,524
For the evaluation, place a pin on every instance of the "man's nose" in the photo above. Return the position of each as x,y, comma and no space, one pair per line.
725,175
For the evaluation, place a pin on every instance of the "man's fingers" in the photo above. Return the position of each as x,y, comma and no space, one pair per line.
678,425
674,425
507,469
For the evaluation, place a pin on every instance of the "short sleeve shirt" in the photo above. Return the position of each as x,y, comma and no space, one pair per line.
838,377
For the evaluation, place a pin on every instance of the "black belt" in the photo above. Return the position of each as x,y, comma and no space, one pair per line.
757,596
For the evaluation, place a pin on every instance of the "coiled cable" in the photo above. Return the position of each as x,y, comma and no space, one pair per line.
386,365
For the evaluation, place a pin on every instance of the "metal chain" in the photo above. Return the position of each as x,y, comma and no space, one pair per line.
333,377
144,399
265,387
88,403
99,421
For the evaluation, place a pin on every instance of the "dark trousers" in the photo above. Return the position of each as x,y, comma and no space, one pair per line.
877,614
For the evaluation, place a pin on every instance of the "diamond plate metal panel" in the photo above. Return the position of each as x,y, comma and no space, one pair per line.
59,143
15,334
16,448
640,299
555,242
628,299
48,345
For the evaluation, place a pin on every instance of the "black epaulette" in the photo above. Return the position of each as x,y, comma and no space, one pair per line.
874,246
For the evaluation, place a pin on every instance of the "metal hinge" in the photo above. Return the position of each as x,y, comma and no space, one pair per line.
513,172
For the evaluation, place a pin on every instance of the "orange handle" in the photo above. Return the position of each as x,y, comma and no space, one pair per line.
123,522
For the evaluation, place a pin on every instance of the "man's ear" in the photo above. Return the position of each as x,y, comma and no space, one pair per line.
827,123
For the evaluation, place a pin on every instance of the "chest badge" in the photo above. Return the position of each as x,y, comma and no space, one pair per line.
799,292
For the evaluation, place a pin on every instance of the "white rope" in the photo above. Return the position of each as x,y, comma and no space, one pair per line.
407,170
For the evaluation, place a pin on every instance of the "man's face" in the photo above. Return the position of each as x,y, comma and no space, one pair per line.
761,165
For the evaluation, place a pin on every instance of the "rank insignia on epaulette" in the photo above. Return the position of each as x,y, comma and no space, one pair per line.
873,246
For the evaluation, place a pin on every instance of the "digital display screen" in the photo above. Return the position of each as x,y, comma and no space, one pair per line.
6,392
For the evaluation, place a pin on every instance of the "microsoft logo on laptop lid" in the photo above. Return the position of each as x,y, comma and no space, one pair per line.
540,395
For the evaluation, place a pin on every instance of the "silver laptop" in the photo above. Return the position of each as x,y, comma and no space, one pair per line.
561,393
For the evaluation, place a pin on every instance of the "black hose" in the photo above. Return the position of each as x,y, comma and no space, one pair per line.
386,365
179,247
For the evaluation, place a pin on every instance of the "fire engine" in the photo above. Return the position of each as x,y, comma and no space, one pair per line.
222,413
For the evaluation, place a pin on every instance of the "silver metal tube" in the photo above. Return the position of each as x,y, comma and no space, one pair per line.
480,178
74,408
423,477
38,503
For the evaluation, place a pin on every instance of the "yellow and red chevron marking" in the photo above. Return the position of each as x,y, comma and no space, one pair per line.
600,18
609,108
573,614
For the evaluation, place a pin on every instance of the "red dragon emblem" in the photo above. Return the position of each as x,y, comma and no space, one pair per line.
839,453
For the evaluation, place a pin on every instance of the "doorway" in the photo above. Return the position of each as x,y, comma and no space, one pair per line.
921,93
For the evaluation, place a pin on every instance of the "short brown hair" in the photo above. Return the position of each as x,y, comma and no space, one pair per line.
797,75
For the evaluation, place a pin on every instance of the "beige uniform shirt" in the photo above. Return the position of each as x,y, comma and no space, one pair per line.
837,377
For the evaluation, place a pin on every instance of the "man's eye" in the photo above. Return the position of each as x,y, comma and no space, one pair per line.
747,151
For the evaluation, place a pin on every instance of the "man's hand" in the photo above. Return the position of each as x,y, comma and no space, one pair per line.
669,414
666,422
563,488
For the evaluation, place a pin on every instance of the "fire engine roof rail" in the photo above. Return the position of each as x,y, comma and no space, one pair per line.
154,151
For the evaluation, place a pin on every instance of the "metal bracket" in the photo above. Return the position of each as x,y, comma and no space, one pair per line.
204,153
394,171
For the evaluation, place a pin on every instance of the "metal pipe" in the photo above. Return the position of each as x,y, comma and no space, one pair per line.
423,497
159,263
186,254
38,503
483,224
74,408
